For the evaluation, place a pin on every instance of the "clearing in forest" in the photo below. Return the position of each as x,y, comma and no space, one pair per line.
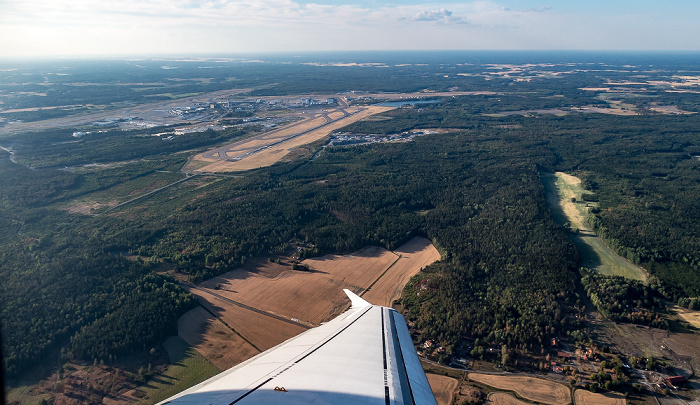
585,397
687,315
213,340
260,330
443,387
266,303
316,295
560,189
534,389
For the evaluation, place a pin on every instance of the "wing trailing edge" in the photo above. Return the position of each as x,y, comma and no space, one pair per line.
363,356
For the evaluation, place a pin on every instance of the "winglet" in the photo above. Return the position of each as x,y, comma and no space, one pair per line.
356,301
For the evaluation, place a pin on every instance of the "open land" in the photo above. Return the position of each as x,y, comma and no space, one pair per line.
560,188
585,397
692,317
187,369
679,351
413,256
443,387
213,340
501,398
534,389
266,303
261,330
277,289
95,202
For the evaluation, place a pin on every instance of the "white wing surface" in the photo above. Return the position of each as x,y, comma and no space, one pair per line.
364,356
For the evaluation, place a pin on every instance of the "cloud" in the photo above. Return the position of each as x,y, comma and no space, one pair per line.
540,9
441,16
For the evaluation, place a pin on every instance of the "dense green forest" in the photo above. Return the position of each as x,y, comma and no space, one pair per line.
508,276
625,300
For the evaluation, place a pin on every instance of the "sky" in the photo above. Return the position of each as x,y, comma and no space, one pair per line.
69,28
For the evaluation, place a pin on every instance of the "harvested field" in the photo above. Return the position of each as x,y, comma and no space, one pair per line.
267,303
585,397
534,389
261,331
413,256
312,296
213,340
501,398
443,387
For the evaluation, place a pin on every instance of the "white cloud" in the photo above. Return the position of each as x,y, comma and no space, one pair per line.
46,27
442,16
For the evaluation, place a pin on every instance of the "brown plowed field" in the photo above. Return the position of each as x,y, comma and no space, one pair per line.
414,255
534,389
584,397
213,340
312,296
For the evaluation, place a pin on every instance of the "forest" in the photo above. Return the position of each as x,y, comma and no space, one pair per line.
508,276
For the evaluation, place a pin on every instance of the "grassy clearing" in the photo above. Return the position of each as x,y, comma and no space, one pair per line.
560,188
22,394
187,369
125,191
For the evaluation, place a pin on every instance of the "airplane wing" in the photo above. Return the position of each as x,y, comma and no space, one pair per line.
364,356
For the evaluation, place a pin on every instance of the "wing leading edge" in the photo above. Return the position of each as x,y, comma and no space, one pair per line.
365,356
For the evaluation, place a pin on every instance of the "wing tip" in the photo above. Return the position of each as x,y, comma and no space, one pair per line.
356,300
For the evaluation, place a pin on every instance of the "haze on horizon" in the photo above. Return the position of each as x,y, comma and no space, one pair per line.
63,28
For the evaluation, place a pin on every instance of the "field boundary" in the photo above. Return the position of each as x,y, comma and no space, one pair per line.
242,305
381,275
218,318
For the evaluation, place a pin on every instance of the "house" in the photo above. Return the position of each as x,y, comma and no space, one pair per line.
564,355
676,380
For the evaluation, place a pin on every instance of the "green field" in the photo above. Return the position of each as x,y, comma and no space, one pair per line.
122,192
187,368
595,254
